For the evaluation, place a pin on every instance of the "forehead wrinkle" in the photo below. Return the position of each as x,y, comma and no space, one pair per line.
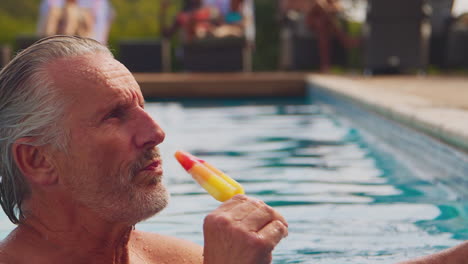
94,74
118,79
100,69
112,74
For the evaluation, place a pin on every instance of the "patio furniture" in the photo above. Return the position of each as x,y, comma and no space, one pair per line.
396,36
441,20
457,53
216,55
304,50
141,55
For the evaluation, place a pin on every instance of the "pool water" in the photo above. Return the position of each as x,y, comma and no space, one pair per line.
346,199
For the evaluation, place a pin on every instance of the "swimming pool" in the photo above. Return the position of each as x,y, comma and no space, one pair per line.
347,197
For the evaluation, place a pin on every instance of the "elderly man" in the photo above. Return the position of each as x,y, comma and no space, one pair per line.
80,167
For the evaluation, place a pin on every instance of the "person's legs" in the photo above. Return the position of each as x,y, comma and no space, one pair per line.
317,22
325,26
346,40
324,41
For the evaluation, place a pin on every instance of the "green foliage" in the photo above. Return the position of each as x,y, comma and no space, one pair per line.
267,36
138,19
355,55
16,18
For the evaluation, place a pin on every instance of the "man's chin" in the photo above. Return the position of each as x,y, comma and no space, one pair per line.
151,205
143,204
148,216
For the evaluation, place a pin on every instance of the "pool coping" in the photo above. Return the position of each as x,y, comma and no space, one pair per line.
221,85
445,124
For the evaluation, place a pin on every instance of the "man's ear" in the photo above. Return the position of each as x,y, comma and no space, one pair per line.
34,162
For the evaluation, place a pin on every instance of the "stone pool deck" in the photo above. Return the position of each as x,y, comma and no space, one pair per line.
435,105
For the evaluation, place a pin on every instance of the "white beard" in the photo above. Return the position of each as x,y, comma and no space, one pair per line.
116,198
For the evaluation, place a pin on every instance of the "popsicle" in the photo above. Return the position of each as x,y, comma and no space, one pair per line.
214,181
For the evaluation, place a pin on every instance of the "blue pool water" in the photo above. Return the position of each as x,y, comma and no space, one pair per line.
347,198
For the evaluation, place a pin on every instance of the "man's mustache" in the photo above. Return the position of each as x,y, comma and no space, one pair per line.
142,161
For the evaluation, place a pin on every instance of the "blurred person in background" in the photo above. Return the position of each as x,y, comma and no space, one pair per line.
196,20
49,16
214,18
75,20
238,19
291,16
103,14
233,21
320,17
87,18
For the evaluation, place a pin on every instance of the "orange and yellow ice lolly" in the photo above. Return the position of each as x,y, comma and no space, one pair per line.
214,181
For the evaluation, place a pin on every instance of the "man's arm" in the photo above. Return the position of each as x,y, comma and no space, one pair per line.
242,230
455,255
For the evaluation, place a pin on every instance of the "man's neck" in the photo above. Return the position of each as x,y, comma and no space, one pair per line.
78,243
79,233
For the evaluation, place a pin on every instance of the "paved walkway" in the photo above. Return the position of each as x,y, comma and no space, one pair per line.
435,105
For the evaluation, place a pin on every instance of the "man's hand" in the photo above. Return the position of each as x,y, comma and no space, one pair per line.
242,230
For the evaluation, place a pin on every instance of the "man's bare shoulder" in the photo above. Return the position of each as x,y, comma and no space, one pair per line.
454,255
5,254
167,249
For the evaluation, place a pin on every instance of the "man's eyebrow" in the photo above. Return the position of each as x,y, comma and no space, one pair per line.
109,106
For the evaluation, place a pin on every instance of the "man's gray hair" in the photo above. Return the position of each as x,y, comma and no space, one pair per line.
31,107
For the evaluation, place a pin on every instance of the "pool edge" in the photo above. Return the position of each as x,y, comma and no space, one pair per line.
417,114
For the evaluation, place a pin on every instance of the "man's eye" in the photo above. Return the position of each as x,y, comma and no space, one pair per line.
116,113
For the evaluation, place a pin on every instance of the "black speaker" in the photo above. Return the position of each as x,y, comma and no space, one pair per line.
141,55
396,35
457,53
396,9
441,20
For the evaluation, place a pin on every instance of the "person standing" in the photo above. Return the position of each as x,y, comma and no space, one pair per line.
50,12
75,20
321,18
102,15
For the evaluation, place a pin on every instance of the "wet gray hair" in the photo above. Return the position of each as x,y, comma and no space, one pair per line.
31,107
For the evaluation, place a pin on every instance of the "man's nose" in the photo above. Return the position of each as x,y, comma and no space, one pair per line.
148,132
